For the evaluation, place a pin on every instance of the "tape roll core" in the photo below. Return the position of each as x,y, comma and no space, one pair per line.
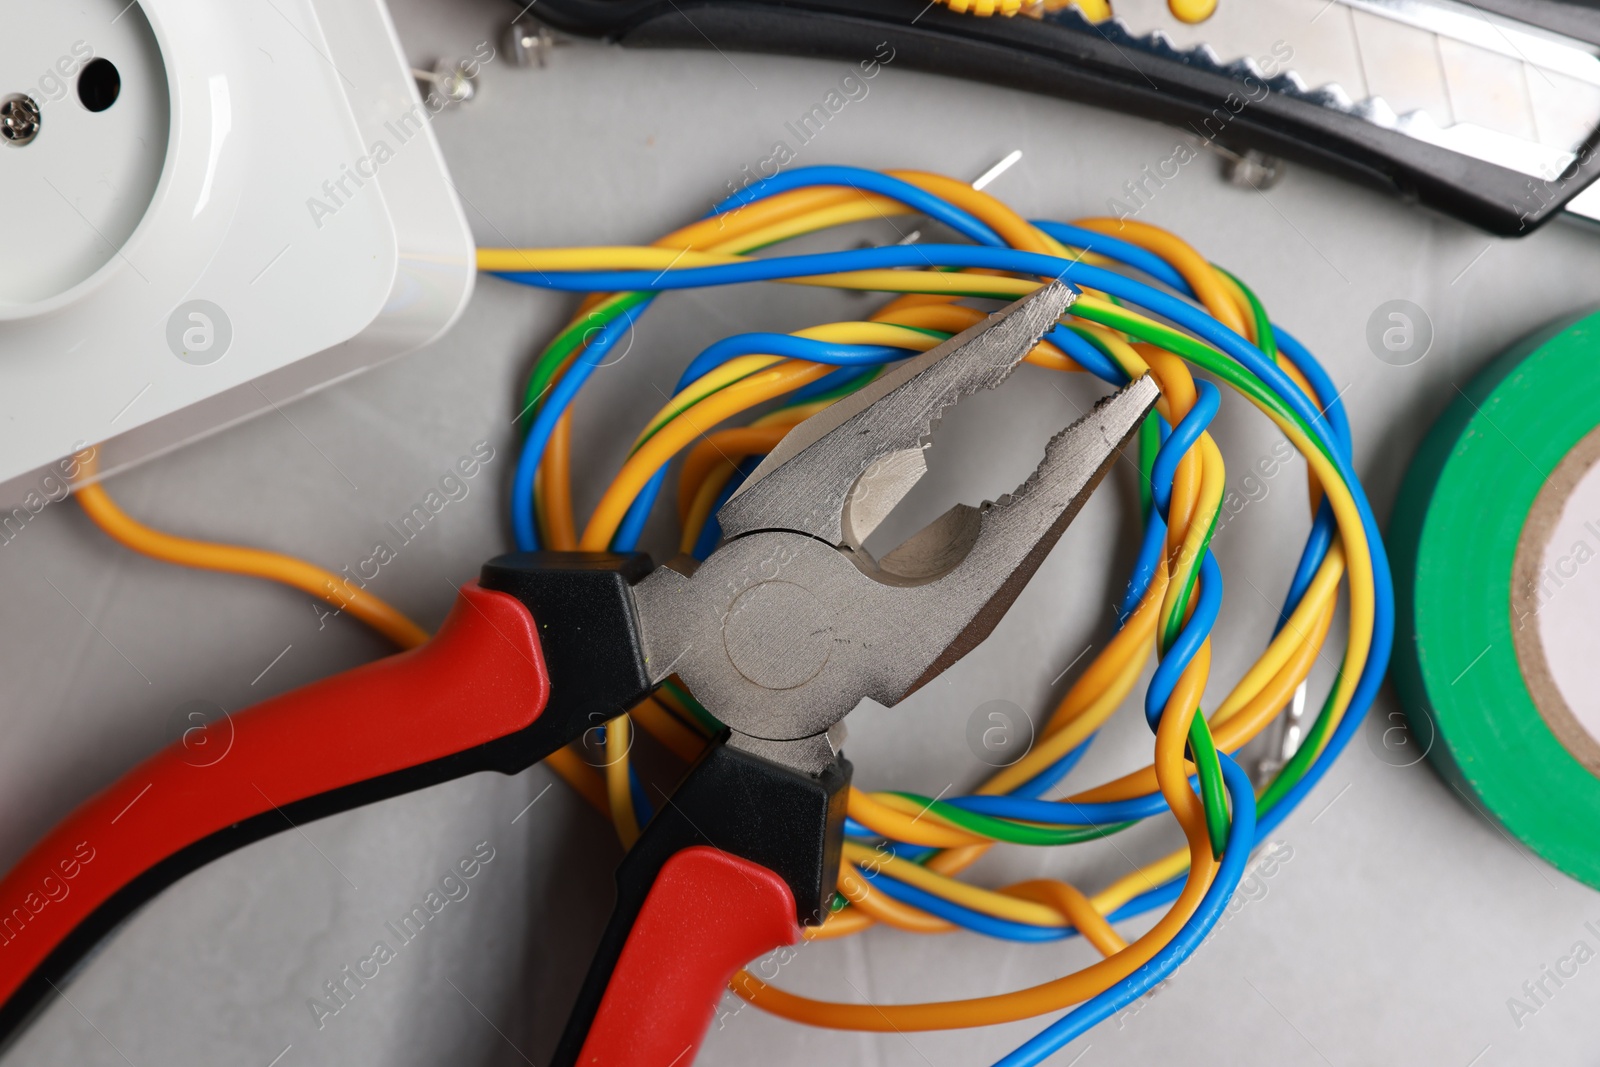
1527,583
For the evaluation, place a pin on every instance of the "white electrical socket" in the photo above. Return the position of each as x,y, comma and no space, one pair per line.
210,209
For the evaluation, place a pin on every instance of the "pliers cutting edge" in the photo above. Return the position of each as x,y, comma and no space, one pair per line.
780,633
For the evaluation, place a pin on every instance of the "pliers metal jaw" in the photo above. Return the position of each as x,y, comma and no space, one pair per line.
784,630
781,632
792,622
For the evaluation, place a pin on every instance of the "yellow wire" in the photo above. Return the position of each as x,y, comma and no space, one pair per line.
1189,548
882,818
1054,899
254,562
750,986
1249,706
884,908
619,792
668,729
861,333
926,835
297,574
764,385
986,901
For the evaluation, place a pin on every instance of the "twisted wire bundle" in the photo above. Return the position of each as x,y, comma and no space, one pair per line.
904,852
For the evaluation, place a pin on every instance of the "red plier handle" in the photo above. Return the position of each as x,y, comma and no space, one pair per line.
470,699
493,690
742,854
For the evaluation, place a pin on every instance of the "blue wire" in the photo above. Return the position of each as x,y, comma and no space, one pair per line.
1115,248
1133,987
1001,258
869,181
1064,813
976,921
1184,435
1162,471
1151,547
1149,900
828,383
1242,837
1316,547
780,344
522,525
788,346
1086,355
1329,426
711,532
1268,820
775,268
778,268
1041,782
1176,310
642,811
1321,384
1172,308
1323,527
626,539
1188,641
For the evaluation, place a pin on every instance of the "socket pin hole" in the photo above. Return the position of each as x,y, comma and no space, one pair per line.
98,84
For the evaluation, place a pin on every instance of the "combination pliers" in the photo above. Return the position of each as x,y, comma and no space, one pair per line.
780,633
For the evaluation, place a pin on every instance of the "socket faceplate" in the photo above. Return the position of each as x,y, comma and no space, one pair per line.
262,210
80,186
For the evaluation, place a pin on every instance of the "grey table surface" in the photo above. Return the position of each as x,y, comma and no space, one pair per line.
1394,933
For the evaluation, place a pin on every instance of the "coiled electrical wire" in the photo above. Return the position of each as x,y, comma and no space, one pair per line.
904,852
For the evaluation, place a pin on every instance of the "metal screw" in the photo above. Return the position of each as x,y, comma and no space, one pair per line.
452,81
530,43
1253,169
19,119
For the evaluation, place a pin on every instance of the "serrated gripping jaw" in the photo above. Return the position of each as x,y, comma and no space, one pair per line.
786,627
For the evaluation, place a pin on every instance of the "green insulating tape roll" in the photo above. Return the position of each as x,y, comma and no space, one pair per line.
1500,731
